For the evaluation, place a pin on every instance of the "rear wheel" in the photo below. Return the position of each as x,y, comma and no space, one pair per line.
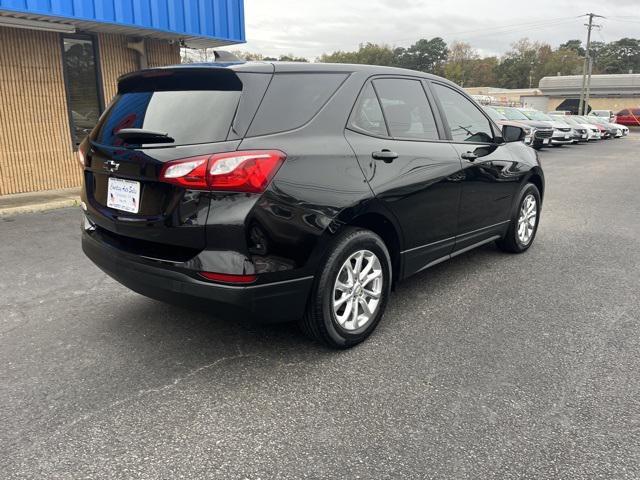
350,294
524,222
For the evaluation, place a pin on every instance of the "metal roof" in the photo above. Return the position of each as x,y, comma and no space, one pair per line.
199,23
609,85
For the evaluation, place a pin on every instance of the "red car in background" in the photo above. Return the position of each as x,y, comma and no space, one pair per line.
629,117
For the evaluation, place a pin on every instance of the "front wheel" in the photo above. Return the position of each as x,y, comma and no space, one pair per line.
350,292
524,222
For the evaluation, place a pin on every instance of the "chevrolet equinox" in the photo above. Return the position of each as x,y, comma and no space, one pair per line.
298,192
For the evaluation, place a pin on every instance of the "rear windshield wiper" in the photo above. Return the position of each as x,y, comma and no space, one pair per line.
140,135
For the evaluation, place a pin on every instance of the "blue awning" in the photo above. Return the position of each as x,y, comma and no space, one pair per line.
199,23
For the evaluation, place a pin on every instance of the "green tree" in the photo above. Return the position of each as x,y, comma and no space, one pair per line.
575,45
459,67
424,55
523,64
367,53
483,72
292,58
563,61
620,56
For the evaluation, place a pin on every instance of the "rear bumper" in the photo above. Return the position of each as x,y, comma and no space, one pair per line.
271,302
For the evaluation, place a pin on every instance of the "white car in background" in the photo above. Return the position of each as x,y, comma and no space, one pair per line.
563,134
608,115
593,132
624,130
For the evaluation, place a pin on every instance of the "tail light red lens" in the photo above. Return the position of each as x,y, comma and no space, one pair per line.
228,277
244,171
188,173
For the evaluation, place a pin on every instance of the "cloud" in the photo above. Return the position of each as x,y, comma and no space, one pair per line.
312,27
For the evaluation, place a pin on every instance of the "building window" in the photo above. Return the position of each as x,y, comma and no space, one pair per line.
82,83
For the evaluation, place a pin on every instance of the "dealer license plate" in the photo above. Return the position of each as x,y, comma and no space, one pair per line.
123,195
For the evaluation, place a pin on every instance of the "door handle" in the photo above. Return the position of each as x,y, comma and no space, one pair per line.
387,156
469,156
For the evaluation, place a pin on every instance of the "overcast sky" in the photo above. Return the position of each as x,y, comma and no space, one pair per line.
311,27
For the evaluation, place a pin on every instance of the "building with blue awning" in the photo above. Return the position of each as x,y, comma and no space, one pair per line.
59,65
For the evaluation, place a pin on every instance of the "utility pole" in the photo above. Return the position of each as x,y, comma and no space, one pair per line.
531,75
586,97
586,66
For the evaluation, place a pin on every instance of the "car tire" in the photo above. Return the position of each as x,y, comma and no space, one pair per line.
521,232
338,327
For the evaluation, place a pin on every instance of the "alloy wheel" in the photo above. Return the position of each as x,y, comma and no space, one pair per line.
357,290
527,219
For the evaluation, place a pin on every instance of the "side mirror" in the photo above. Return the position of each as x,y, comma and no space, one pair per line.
511,133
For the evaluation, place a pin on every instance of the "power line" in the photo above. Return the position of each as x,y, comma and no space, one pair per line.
623,21
497,29
500,27
520,30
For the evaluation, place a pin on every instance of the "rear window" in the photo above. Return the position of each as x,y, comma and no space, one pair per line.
190,105
292,100
189,117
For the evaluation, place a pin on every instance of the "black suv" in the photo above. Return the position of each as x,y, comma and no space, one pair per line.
298,191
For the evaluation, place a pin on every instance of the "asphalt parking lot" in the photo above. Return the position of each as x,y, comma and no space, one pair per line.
487,366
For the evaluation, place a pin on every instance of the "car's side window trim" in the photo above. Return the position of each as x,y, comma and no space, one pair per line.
384,115
441,124
496,135
353,128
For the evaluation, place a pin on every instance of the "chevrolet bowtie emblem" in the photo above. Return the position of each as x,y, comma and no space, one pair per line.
111,166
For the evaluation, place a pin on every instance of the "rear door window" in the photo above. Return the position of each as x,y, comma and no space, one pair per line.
292,100
406,108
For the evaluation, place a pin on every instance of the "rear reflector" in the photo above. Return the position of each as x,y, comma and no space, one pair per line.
228,277
81,155
246,171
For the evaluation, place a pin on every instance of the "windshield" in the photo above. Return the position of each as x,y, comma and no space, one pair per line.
536,115
510,113
495,115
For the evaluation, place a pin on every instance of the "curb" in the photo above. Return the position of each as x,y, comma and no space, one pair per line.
39,207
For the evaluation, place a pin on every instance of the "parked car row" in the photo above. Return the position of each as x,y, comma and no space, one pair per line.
626,117
556,128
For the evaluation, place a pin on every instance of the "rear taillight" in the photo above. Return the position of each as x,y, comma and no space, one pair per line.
189,173
246,171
